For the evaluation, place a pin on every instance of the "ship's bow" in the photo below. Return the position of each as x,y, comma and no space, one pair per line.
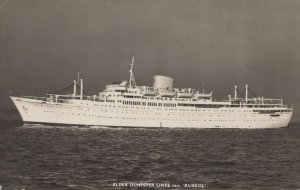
19,103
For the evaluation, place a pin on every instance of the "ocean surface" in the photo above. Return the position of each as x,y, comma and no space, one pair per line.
46,157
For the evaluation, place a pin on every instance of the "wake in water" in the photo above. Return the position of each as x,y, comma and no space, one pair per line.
44,126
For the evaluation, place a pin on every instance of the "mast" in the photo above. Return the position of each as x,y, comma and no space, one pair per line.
132,82
235,91
81,89
75,85
74,92
246,93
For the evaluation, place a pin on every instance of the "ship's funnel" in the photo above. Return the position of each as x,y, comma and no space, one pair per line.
163,83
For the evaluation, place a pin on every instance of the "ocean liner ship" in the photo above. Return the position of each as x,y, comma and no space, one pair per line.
126,104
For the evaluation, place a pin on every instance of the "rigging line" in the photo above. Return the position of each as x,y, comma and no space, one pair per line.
241,93
61,90
84,92
252,93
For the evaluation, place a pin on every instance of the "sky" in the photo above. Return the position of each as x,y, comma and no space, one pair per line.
43,44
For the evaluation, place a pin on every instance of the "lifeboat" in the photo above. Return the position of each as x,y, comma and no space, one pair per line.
167,94
203,95
185,95
148,91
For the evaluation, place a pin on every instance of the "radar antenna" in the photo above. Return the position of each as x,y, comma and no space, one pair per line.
132,82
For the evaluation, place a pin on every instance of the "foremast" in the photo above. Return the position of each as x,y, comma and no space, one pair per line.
132,82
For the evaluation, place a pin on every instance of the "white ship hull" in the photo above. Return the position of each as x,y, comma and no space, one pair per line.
86,112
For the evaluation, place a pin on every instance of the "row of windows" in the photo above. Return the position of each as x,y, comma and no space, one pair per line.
270,111
163,119
159,98
179,104
143,113
185,104
134,103
200,105
160,104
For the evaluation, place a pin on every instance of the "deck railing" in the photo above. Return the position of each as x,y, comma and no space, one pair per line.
35,98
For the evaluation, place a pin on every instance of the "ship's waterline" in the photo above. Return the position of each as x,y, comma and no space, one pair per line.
129,105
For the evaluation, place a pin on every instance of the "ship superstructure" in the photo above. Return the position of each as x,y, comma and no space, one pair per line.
126,104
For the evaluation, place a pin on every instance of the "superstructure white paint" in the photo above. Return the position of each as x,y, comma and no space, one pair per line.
86,112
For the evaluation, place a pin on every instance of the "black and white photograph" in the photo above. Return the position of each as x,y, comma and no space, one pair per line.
149,94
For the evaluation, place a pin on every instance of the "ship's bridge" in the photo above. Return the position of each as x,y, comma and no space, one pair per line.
121,87
115,88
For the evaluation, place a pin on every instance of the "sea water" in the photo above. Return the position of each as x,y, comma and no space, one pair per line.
47,157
